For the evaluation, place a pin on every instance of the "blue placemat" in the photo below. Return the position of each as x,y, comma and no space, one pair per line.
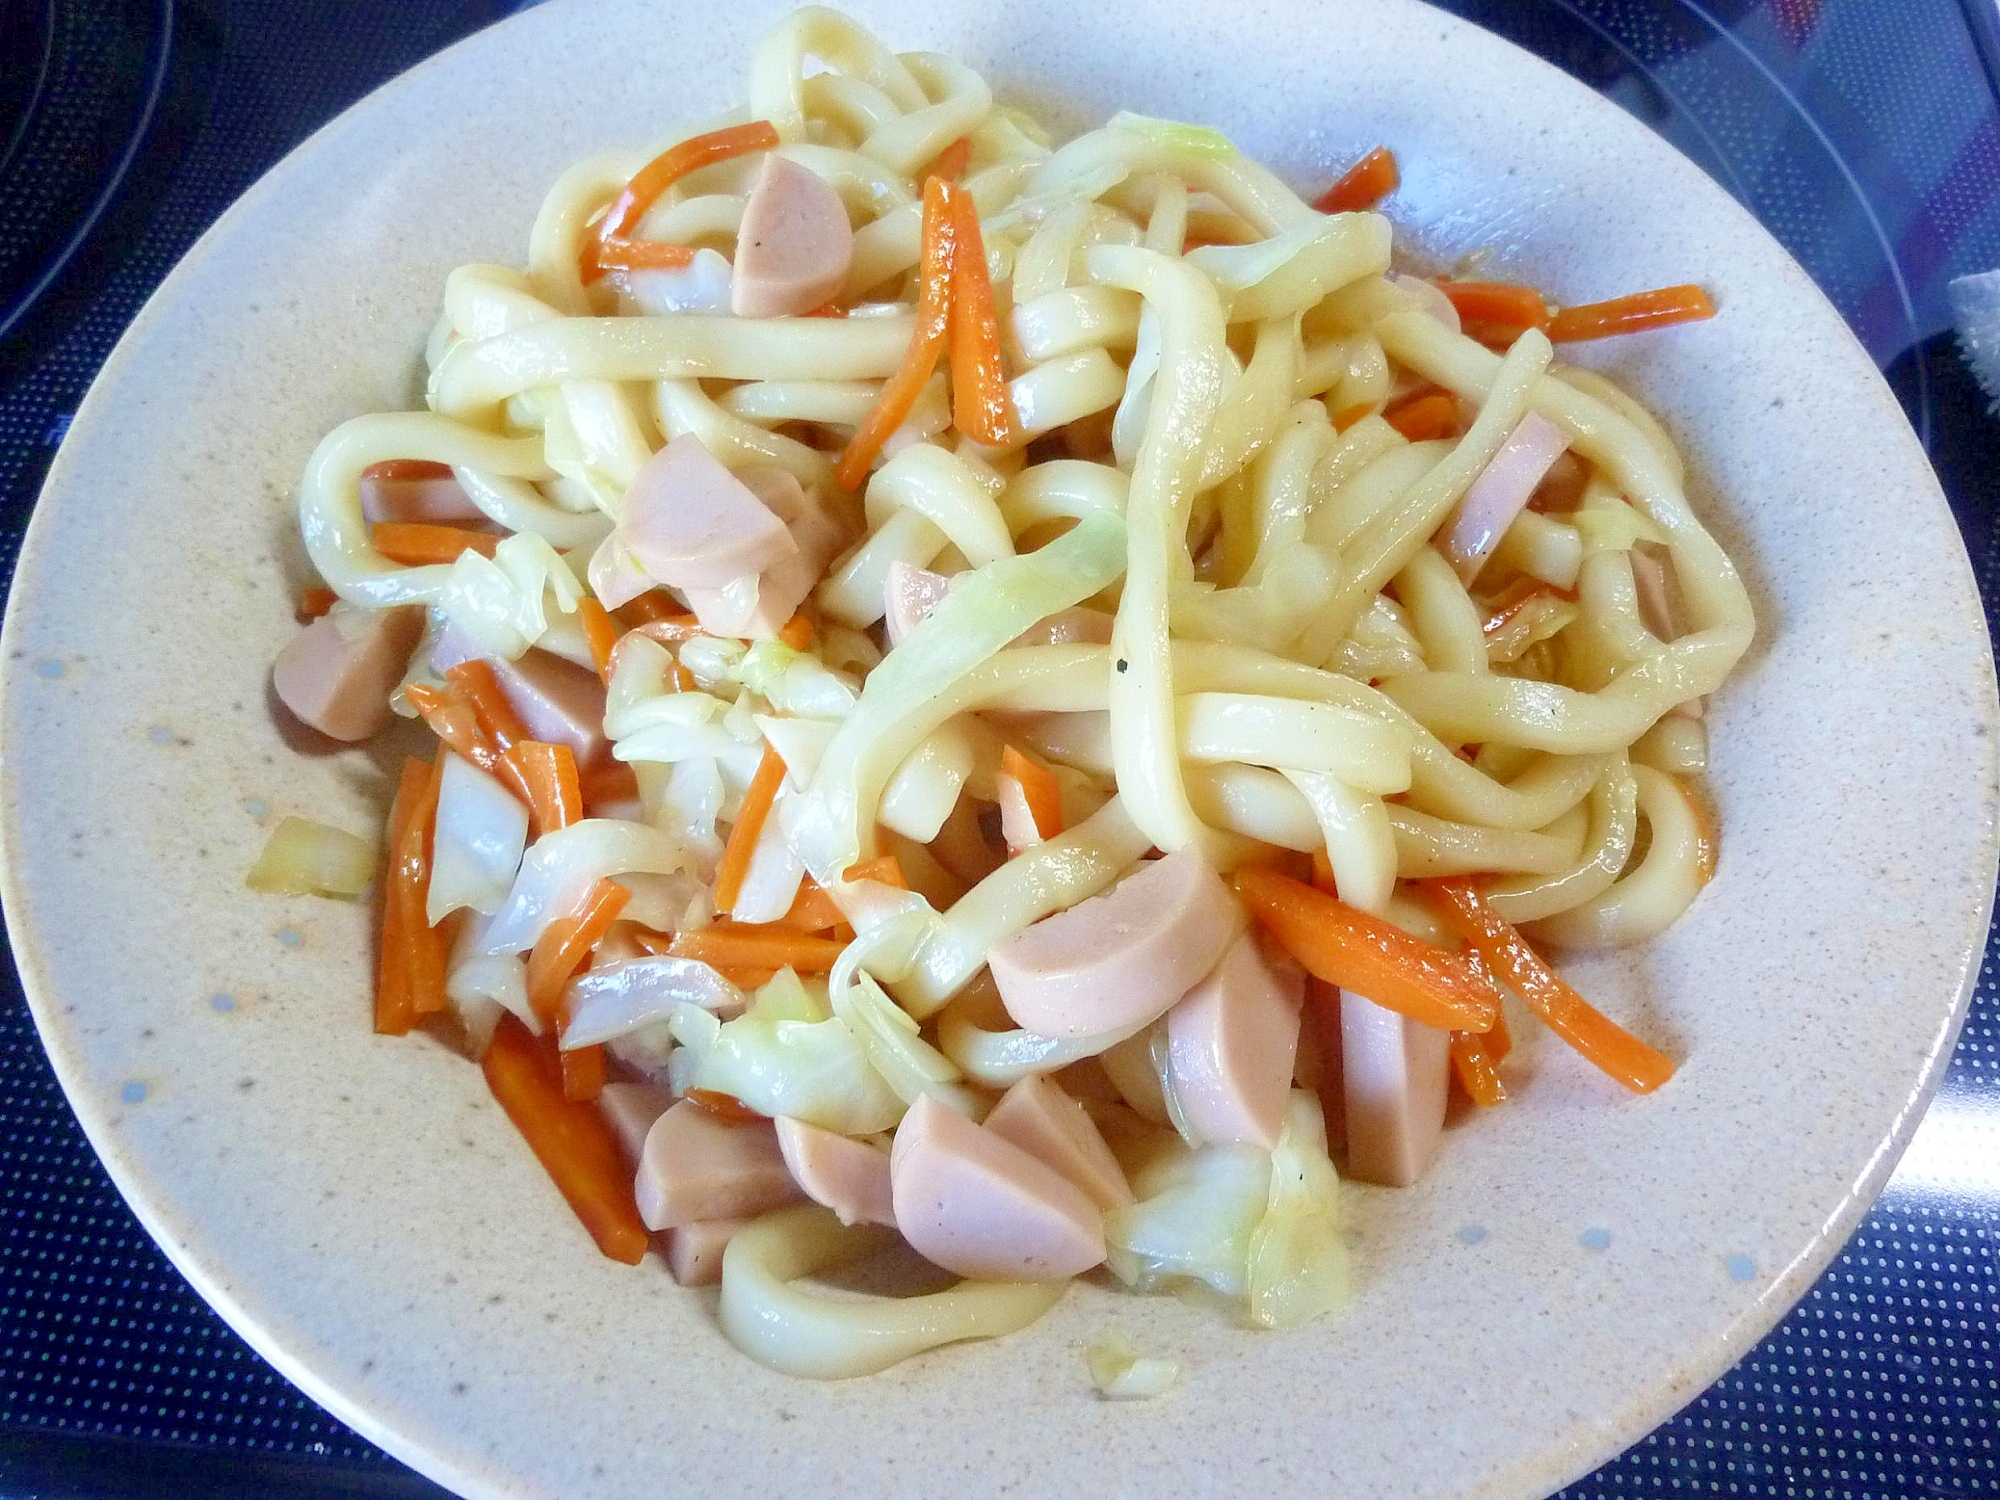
1864,133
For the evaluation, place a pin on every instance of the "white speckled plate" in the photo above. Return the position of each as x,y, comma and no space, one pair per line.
1580,1264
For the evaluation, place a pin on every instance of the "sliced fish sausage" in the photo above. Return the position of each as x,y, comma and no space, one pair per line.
794,245
696,1166
694,1251
557,701
631,1109
1039,1117
978,1205
1117,961
1394,1072
424,496
1231,1043
909,594
690,523
838,1172
338,672
758,607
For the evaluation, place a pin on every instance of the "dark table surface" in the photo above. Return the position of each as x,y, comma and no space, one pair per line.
1864,133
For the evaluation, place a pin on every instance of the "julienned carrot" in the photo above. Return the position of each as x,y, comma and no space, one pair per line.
1362,185
416,543
453,719
1039,789
1476,1071
950,163
1655,309
1499,1041
422,945
812,910
723,1106
656,608
1347,416
1347,947
761,945
798,633
883,868
548,772
489,701
584,1071
1421,418
407,468
1323,880
609,781
1497,302
600,632
573,1141
900,391
395,1013
1600,1039
566,942
748,828
315,602
661,173
982,407
639,255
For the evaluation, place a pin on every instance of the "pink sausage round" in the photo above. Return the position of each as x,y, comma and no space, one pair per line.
1231,1042
690,523
696,1166
1117,961
338,672
794,246
1036,1115
838,1172
979,1206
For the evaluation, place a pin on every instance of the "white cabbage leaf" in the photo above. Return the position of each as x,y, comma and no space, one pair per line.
1298,1258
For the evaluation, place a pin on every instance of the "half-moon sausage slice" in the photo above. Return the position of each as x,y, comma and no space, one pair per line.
1117,961
338,672
1231,1042
1395,1076
631,1109
838,1172
690,523
1039,1117
980,1206
794,245
694,1251
696,1166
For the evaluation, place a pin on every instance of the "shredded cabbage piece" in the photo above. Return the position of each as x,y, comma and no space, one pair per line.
1121,1373
1298,1259
304,858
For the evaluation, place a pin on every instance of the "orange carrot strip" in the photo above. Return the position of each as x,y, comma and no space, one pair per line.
826,310
749,826
798,633
315,602
950,163
934,298
1421,418
548,772
394,1012
747,979
1499,1041
572,1140
566,942
982,404
1496,302
1347,947
1039,788
407,468
1362,185
600,631
661,173
1709,842
452,718
1323,873
1634,314
617,254
654,607
759,945
609,781
1476,1072
1600,1039
489,701
885,868
812,910
723,1106
415,543
584,1072
422,944
1347,416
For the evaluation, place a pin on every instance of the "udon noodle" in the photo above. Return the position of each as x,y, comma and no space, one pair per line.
1242,555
